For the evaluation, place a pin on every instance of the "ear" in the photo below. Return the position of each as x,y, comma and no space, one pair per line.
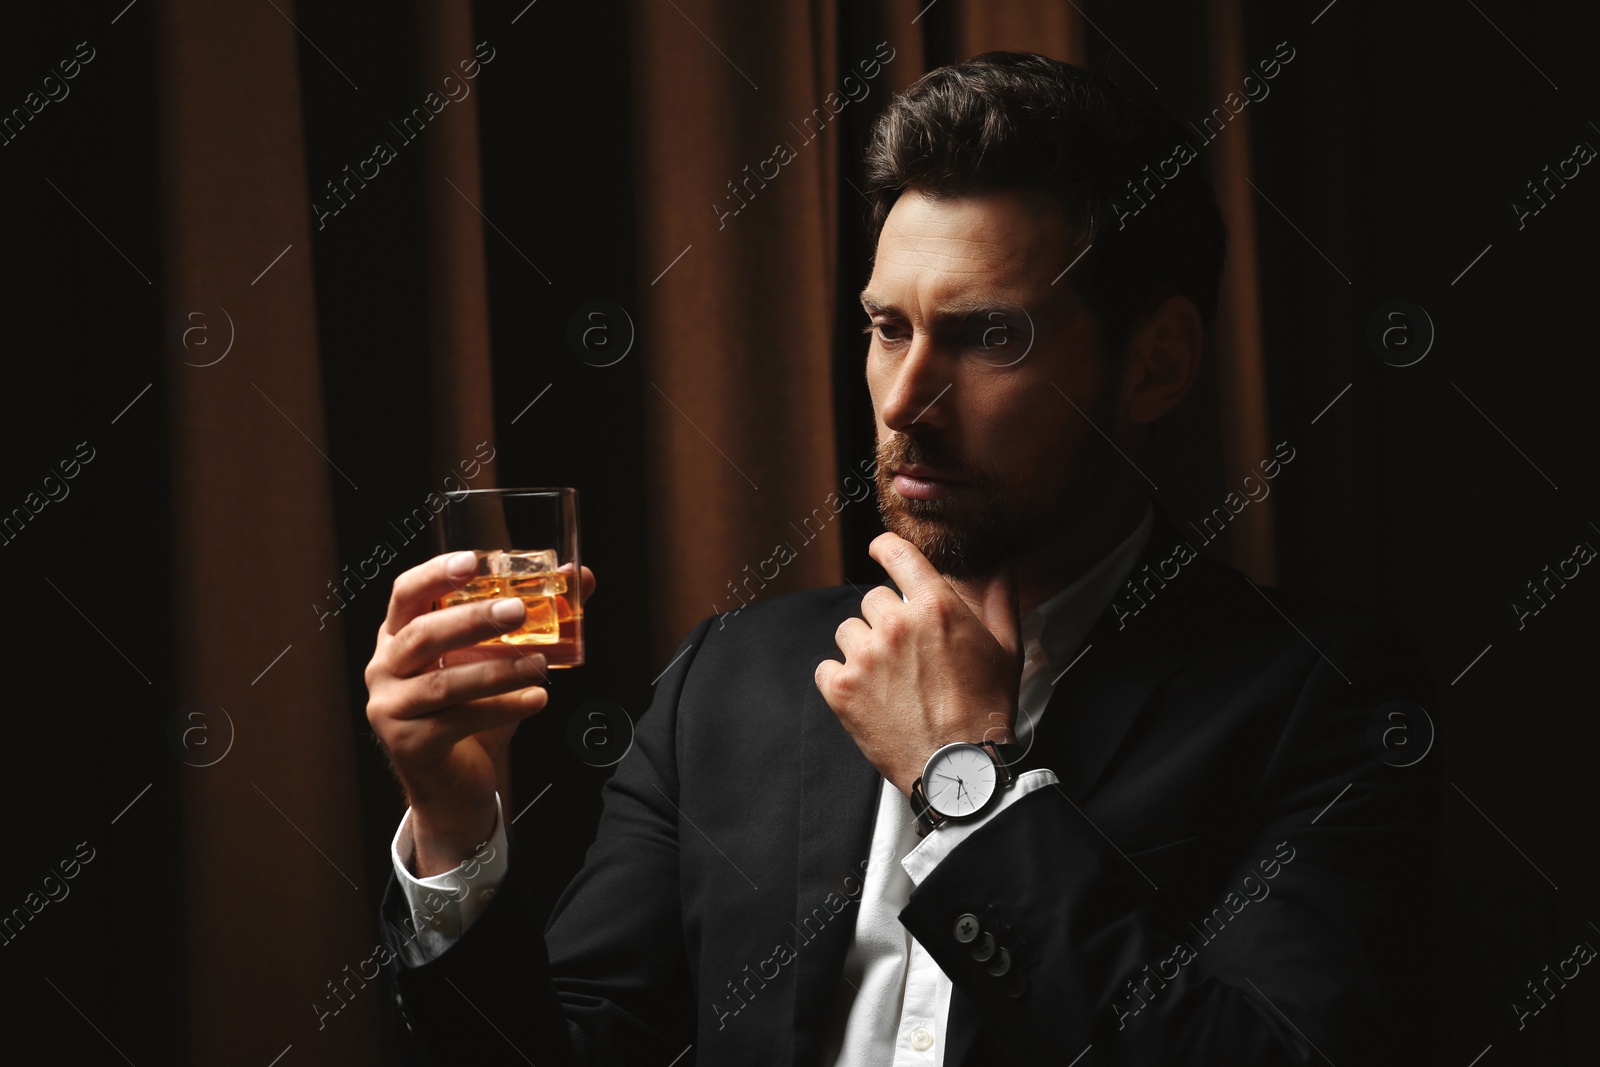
1162,360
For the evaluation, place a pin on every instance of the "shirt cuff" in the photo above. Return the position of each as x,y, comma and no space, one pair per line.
444,905
943,839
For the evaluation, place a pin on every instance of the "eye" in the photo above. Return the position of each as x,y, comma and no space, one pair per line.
1001,341
883,331
992,335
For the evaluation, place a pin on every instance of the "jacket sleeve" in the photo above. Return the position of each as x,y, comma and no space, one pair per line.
1297,956
606,979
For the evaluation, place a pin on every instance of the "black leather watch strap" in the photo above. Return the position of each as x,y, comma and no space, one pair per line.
1012,757
922,811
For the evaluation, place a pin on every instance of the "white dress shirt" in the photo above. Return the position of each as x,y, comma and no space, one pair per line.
894,1002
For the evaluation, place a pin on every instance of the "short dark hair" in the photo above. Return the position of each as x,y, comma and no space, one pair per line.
1017,120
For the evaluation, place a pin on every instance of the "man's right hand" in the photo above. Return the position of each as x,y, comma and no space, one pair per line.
446,728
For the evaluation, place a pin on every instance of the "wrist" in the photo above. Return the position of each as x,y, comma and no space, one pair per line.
444,841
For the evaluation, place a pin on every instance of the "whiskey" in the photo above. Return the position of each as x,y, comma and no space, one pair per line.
553,625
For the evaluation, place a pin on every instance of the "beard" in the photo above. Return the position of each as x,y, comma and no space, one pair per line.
969,534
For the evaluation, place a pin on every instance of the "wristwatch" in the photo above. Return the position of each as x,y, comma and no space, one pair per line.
962,781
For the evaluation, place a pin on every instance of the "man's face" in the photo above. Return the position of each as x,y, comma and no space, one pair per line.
976,364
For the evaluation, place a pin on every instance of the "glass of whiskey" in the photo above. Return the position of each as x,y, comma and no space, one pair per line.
526,541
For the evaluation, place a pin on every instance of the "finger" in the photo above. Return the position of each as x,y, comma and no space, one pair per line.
908,567
824,675
585,585
479,653
421,642
879,601
486,713
850,634
411,698
415,590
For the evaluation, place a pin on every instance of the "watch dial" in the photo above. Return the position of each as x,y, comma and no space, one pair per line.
960,781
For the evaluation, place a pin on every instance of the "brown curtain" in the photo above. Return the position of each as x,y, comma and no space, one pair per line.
1242,397
737,282
1054,30
458,304
275,898
741,197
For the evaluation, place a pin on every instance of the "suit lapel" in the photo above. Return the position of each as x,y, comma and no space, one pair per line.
1131,649
1094,703
838,808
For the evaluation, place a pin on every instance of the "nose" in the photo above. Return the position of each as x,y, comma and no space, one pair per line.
918,388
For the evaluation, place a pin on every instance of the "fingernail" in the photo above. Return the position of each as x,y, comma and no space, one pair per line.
461,564
510,610
529,666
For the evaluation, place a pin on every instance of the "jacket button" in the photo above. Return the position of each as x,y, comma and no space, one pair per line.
1000,964
1014,984
966,928
984,948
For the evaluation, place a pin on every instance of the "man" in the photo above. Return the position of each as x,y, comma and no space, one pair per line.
1066,790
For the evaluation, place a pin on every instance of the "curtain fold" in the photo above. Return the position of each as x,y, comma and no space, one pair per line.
1241,355
458,301
275,905
735,179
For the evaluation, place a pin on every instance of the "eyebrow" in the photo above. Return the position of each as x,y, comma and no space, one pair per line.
963,309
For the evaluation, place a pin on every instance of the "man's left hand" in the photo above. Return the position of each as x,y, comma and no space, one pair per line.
940,666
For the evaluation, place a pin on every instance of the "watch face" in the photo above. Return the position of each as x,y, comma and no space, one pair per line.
959,780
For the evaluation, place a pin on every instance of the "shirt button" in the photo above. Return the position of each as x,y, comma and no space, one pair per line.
487,894
921,1038
439,922
966,928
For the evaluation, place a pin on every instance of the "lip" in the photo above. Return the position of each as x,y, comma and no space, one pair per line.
913,483
924,474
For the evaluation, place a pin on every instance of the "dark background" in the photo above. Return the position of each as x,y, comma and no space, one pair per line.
1396,142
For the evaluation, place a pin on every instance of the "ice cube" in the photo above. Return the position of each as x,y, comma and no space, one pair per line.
523,562
532,573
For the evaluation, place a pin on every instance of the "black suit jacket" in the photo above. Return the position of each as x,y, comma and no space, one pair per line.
1227,873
